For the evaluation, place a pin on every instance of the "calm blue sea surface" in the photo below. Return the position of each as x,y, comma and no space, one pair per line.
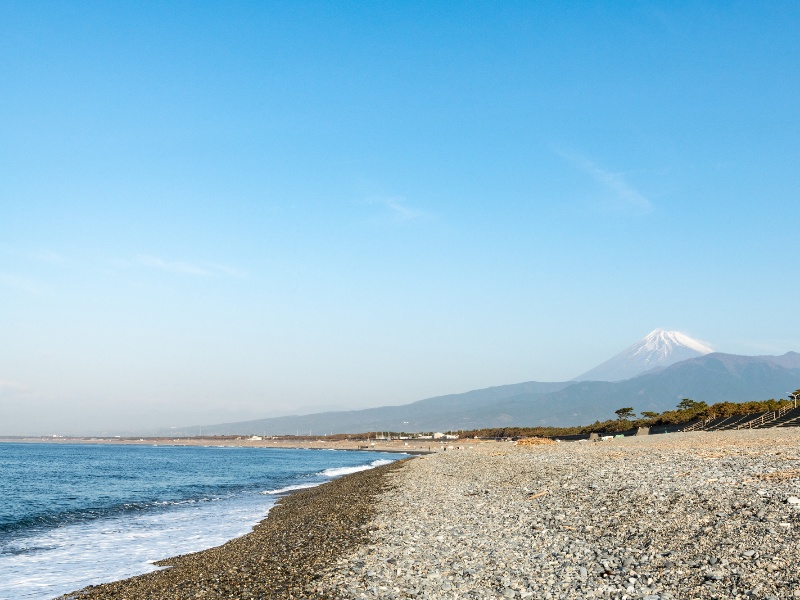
73,515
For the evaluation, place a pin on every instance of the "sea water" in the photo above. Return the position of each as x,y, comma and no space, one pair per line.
72,515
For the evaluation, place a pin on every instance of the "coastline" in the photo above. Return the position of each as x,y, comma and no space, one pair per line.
412,447
285,553
689,515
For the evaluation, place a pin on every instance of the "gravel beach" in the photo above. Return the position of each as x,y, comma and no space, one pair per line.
282,556
694,515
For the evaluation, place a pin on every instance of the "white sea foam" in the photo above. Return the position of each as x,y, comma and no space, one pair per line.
48,563
332,472
69,558
291,488
339,471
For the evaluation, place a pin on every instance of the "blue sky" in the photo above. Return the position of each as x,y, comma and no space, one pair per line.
215,211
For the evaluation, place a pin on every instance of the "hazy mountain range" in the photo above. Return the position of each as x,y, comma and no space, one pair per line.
665,367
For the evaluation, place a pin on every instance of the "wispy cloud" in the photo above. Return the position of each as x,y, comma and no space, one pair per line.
398,209
173,266
227,271
176,266
48,256
625,196
21,283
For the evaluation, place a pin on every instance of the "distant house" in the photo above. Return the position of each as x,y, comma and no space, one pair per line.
256,438
437,436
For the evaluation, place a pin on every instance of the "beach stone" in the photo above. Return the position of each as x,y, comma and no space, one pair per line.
656,517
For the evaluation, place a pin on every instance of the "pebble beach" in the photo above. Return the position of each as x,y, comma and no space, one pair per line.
690,515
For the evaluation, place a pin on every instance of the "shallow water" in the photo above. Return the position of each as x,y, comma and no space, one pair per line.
72,515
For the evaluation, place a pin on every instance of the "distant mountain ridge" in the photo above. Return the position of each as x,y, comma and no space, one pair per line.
714,377
408,417
659,348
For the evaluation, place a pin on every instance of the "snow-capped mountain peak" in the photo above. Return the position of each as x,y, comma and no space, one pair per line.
663,341
659,348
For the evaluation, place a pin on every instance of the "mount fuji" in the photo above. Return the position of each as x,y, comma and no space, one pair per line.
659,348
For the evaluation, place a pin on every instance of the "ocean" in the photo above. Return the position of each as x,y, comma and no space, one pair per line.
72,515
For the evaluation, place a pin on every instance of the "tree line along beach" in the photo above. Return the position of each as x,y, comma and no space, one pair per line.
687,515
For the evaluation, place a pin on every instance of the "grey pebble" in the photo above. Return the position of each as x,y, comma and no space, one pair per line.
652,518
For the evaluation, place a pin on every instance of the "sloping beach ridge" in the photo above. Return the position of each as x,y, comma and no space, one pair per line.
690,515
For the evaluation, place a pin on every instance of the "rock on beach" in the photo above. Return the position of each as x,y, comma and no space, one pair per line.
695,515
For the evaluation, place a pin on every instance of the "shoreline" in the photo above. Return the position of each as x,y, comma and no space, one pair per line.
285,552
413,447
691,515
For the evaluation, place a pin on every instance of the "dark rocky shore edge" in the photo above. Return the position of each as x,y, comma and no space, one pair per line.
281,558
